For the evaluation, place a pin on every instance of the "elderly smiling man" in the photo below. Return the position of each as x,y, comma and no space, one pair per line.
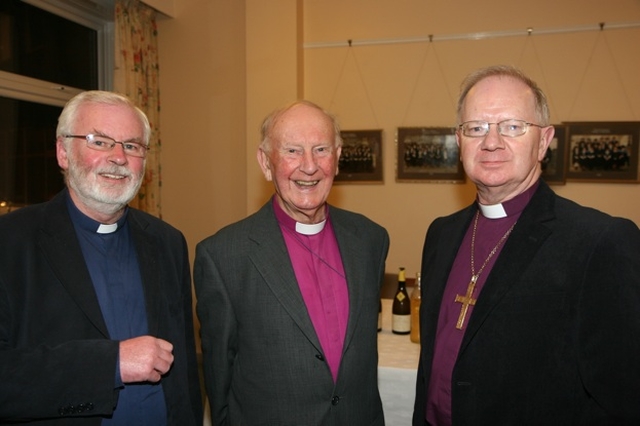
288,297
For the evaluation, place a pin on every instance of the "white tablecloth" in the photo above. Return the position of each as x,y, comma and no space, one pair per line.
395,350
397,390
397,369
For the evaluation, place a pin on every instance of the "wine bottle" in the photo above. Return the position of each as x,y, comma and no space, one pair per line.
401,312
416,298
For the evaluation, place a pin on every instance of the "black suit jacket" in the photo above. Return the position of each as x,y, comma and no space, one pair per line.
554,338
57,363
263,361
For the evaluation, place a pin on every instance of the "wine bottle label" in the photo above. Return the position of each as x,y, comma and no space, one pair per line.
401,323
400,296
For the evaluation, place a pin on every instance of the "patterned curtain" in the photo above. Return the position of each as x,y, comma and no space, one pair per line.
136,75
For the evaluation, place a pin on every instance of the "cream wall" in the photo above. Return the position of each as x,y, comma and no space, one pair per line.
226,64
203,118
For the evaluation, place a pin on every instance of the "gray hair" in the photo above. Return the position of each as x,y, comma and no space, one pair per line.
270,120
541,104
69,114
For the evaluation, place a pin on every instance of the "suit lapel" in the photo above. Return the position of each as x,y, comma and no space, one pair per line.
437,267
145,245
352,262
527,237
272,261
59,243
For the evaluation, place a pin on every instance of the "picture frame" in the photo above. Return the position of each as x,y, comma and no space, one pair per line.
361,158
602,151
554,164
428,154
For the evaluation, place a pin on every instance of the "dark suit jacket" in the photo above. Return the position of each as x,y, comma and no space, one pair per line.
262,359
554,337
55,352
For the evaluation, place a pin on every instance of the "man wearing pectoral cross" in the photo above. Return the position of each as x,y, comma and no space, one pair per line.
530,301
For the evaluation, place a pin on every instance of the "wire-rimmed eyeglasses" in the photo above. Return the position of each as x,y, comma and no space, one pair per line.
510,128
106,143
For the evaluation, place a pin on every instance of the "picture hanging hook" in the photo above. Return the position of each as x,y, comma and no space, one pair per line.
529,31
601,26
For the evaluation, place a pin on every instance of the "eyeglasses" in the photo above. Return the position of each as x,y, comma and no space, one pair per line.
511,128
106,143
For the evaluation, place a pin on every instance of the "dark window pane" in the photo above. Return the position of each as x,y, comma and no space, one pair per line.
29,171
39,44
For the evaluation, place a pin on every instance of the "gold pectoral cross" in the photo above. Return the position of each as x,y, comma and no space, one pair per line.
466,300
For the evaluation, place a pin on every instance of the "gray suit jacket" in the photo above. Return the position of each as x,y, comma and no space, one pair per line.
57,362
554,337
262,359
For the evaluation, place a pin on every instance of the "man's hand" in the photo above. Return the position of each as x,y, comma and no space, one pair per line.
144,359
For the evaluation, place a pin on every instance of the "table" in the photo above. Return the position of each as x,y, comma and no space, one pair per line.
395,350
397,369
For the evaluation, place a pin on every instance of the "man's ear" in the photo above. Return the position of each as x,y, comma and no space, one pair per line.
61,154
546,136
265,164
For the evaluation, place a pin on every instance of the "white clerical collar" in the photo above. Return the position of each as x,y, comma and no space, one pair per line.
494,211
107,229
312,229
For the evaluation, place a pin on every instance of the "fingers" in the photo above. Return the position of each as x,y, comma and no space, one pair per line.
164,356
144,359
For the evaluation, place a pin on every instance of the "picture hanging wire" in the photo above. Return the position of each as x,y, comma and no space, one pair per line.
472,36
351,53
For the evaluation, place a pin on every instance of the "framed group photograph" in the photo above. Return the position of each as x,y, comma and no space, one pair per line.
428,154
361,158
603,151
553,164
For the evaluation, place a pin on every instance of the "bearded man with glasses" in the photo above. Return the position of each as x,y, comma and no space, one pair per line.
96,324
529,310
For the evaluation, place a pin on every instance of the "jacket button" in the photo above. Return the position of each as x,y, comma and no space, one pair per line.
320,357
335,400
71,409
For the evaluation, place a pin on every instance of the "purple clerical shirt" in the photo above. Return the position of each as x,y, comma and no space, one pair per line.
448,337
317,264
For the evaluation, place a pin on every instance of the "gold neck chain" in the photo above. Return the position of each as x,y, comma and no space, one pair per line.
475,276
468,299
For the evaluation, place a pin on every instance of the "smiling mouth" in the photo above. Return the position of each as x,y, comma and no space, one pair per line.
110,176
306,183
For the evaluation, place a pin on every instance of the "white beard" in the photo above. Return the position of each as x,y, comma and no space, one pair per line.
100,196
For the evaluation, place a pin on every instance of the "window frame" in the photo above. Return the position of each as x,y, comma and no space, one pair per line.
95,14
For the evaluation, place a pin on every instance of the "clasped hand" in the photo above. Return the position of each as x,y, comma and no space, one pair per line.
144,359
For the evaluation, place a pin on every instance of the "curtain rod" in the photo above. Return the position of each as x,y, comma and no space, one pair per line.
471,36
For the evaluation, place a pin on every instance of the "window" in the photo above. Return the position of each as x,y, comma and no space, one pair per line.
50,50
